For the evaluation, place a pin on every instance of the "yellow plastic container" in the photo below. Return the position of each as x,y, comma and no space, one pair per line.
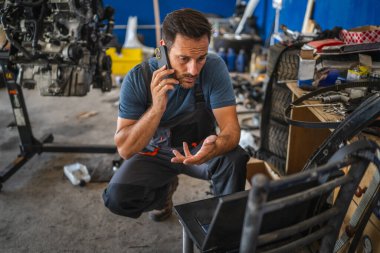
122,63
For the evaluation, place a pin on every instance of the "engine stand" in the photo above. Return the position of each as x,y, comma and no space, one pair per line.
29,145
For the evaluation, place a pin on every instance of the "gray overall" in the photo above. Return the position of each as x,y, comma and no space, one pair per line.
141,183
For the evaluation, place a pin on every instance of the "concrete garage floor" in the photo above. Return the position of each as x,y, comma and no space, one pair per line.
41,211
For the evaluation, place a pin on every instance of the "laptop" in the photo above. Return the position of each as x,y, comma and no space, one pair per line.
215,223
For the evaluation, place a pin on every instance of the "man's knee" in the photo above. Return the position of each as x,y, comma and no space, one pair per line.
228,172
233,163
237,158
124,200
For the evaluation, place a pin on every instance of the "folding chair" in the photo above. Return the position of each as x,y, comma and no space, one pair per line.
298,213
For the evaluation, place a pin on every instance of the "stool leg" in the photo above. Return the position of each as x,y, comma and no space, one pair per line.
188,246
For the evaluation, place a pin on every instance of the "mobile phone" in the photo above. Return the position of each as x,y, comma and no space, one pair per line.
163,58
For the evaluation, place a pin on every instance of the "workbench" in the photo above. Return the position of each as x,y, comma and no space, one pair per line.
303,142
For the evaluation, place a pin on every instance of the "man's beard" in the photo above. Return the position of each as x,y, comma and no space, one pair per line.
186,85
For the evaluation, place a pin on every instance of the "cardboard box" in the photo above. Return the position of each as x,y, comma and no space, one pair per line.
256,166
306,53
363,34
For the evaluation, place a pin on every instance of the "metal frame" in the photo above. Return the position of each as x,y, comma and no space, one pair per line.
292,211
325,224
29,145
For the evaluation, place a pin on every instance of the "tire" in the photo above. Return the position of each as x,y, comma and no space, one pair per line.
288,62
281,98
276,163
273,129
273,148
288,65
273,54
277,142
366,113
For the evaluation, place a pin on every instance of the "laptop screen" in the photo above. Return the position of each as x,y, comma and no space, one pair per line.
227,222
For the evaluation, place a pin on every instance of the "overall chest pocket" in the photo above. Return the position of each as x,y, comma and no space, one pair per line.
193,132
188,133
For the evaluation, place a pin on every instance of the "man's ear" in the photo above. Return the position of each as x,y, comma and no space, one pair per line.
162,42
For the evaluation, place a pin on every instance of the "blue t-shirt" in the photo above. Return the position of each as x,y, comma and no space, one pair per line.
214,78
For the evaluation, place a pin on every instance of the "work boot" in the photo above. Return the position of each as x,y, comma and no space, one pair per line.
164,213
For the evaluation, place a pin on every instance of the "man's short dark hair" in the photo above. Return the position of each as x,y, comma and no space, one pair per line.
187,22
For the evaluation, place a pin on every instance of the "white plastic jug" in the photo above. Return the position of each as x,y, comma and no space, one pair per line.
77,174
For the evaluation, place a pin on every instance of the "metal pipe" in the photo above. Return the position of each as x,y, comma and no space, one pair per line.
253,214
308,12
157,21
143,27
247,13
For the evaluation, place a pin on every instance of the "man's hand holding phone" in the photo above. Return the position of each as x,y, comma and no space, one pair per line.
162,80
162,56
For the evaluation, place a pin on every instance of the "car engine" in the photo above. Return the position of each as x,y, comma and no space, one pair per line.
59,45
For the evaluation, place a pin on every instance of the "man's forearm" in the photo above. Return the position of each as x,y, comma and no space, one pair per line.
226,141
229,135
132,139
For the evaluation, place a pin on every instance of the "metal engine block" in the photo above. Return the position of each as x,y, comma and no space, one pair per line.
59,45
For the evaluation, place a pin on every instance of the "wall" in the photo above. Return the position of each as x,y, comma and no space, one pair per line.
143,9
327,13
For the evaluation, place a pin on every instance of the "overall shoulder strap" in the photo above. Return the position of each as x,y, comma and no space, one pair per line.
147,75
198,92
